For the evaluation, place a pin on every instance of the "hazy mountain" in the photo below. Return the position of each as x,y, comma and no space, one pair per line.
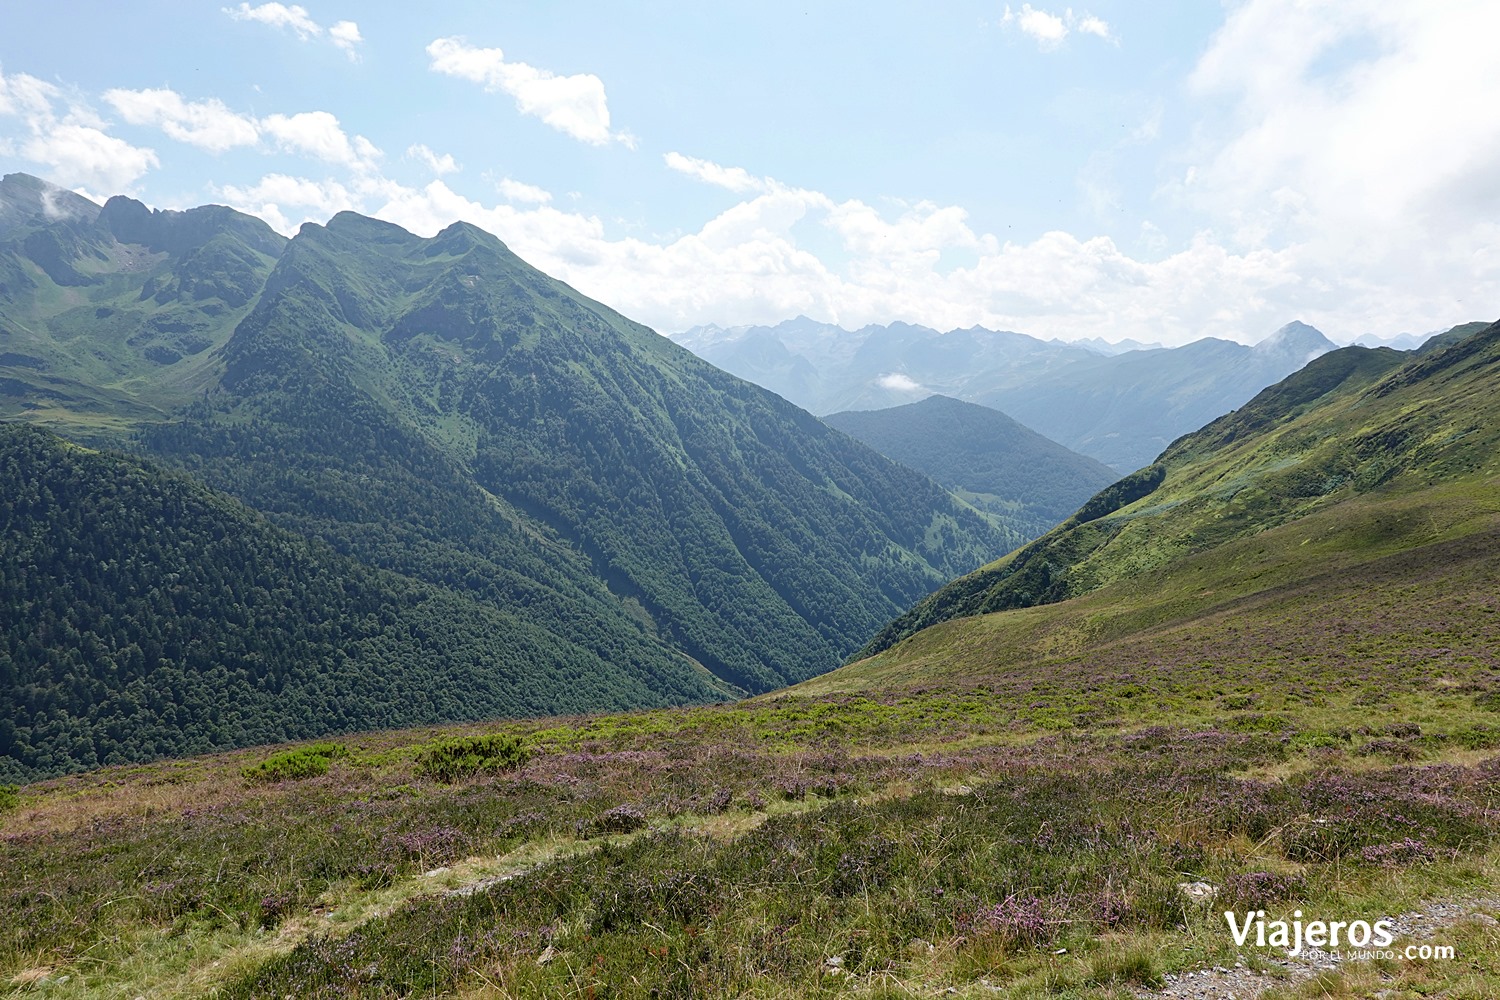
1027,480
1354,422
1121,407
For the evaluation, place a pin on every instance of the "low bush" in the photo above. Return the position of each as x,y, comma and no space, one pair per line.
294,765
454,760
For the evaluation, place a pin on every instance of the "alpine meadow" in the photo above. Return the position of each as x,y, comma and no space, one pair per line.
768,502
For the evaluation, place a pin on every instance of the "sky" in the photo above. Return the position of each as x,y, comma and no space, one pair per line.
1160,172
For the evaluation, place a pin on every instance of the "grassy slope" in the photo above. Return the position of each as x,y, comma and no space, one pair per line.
1354,423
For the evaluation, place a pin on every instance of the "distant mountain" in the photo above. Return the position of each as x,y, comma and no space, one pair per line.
984,456
1120,408
1101,346
1356,423
438,410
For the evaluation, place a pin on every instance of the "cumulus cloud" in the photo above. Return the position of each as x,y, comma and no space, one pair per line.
1050,30
285,202
1336,130
84,155
210,125
343,34
748,264
440,165
72,145
318,134
25,95
206,124
574,105
527,193
736,179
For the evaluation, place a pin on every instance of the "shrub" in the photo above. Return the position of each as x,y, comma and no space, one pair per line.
1254,890
620,819
9,797
455,759
1020,921
294,765
1405,851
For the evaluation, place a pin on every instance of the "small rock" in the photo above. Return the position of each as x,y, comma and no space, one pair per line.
1199,891
919,946
546,957
435,873
834,961
1485,919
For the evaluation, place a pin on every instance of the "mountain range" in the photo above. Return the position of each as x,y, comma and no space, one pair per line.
431,409
1121,408
1355,429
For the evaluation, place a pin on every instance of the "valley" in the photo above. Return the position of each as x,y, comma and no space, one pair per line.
552,614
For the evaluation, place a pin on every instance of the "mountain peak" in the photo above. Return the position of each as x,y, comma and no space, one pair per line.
24,197
130,221
1296,334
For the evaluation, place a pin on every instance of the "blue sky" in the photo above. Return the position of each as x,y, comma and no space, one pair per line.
1158,171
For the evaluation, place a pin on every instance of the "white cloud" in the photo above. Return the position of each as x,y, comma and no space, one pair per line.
345,35
1363,134
206,124
444,164
74,148
1050,30
736,179
278,16
574,105
751,264
1091,25
899,382
318,134
527,193
286,202
24,95
82,154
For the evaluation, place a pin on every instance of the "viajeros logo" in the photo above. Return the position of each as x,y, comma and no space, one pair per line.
1366,939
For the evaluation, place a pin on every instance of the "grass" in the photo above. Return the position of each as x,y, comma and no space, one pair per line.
1002,827
1306,719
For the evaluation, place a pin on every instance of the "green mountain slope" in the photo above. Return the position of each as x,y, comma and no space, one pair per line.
438,409
1354,422
1028,481
113,315
147,616
433,404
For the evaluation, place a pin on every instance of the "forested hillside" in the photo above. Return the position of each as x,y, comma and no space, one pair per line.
146,616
